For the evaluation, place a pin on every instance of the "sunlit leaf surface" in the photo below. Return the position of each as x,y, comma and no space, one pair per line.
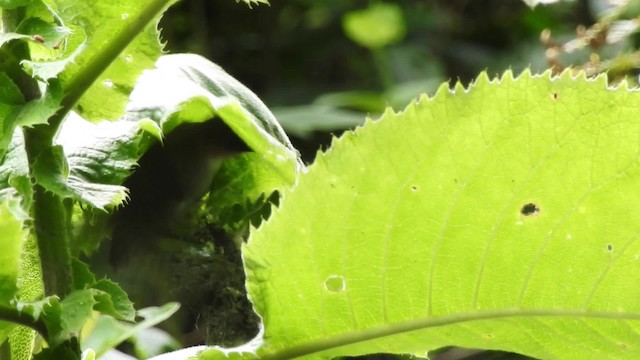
500,217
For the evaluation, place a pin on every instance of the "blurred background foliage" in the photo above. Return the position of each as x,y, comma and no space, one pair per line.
322,66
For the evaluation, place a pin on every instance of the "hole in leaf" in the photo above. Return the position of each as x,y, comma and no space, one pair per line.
335,284
108,83
530,209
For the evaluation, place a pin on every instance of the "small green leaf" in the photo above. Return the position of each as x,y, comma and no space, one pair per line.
83,278
80,175
108,332
379,25
118,304
46,37
47,70
241,181
39,110
111,299
101,153
65,319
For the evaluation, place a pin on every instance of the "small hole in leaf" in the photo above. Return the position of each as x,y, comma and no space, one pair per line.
108,83
335,284
609,248
530,209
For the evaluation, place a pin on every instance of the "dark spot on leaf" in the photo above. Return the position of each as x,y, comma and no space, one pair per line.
609,248
332,185
530,209
414,188
555,96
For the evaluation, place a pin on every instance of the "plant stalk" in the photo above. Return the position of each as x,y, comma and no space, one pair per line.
48,215
11,314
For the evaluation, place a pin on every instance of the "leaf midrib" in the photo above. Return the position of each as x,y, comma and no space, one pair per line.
358,336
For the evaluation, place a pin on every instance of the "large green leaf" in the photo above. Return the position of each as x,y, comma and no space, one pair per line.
500,217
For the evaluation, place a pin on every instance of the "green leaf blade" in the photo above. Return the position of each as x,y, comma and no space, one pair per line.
100,23
11,242
415,232
208,93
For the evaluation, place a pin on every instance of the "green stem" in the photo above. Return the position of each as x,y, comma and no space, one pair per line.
383,68
49,218
132,26
11,314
